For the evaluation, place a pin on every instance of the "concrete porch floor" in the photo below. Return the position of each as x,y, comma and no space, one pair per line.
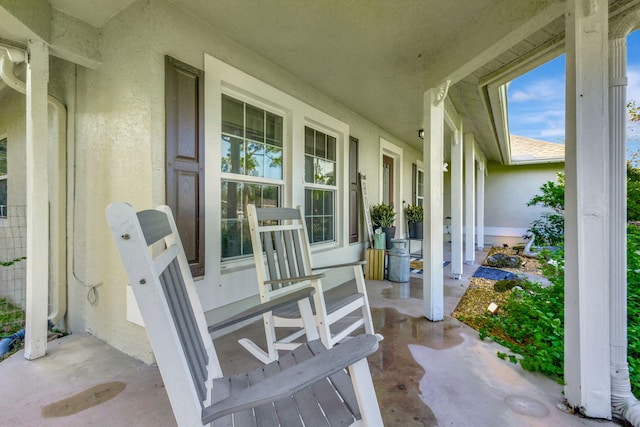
425,374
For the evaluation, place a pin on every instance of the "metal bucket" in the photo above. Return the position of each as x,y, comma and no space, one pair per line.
398,261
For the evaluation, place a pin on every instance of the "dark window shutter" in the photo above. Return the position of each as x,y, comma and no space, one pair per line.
184,109
414,184
354,203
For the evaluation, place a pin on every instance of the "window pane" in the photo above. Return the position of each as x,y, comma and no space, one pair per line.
319,214
307,204
232,116
230,227
254,159
309,169
327,229
325,173
270,196
327,203
3,198
273,162
232,155
316,227
309,141
321,145
274,130
316,202
331,148
248,154
255,123
235,239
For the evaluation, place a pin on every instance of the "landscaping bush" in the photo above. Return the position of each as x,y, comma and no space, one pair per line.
531,323
549,228
633,305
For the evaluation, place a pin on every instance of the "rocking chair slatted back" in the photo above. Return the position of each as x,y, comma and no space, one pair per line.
283,264
174,319
283,246
184,319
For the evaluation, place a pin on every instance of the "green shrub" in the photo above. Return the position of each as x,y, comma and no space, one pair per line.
633,193
633,305
414,213
383,215
549,228
531,323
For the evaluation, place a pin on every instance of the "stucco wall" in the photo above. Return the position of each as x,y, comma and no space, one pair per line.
12,126
120,145
507,191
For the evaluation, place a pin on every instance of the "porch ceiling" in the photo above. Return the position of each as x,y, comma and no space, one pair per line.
378,57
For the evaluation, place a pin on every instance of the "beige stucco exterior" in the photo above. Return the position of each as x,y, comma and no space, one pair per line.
116,152
392,69
508,190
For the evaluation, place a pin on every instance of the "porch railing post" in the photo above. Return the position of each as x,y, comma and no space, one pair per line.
37,296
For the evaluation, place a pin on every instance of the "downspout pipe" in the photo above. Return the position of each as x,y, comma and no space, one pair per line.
57,198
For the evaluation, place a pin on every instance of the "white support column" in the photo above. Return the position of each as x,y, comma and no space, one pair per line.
482,171
469,198
456,204
37,202
587,226
623,403
433,149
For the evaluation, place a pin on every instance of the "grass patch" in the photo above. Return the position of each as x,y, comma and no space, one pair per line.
12,317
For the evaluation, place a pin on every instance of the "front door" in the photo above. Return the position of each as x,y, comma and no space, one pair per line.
387,180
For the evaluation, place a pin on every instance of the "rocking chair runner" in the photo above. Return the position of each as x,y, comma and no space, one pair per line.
283,265
309,385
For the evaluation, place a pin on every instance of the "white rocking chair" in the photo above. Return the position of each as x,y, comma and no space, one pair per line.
283,265
309,386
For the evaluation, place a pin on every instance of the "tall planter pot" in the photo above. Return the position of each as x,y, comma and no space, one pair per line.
390,233
415,230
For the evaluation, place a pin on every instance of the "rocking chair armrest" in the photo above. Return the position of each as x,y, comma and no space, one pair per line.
331,267
265,307
290,381
296,279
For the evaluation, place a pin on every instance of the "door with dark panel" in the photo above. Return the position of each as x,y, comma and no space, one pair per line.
354,202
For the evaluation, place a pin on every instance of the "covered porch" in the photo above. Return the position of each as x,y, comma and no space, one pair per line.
425,374
394,69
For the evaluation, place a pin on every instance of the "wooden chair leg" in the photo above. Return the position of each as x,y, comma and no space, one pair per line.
321,320
304,306
270,334
366,311
365,393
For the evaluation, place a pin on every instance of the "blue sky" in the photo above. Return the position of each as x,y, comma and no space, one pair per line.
536,99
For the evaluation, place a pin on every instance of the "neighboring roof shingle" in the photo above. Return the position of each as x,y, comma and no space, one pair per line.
529,150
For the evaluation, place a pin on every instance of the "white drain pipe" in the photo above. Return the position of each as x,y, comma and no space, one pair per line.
57,202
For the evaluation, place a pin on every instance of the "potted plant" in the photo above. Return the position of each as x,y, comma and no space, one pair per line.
383,216
415,216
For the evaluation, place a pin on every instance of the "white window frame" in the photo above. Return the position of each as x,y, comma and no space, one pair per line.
340,162
250,179
223,78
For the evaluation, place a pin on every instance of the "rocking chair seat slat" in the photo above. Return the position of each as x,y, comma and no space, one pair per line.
293,377
274,304
283,260
333,303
